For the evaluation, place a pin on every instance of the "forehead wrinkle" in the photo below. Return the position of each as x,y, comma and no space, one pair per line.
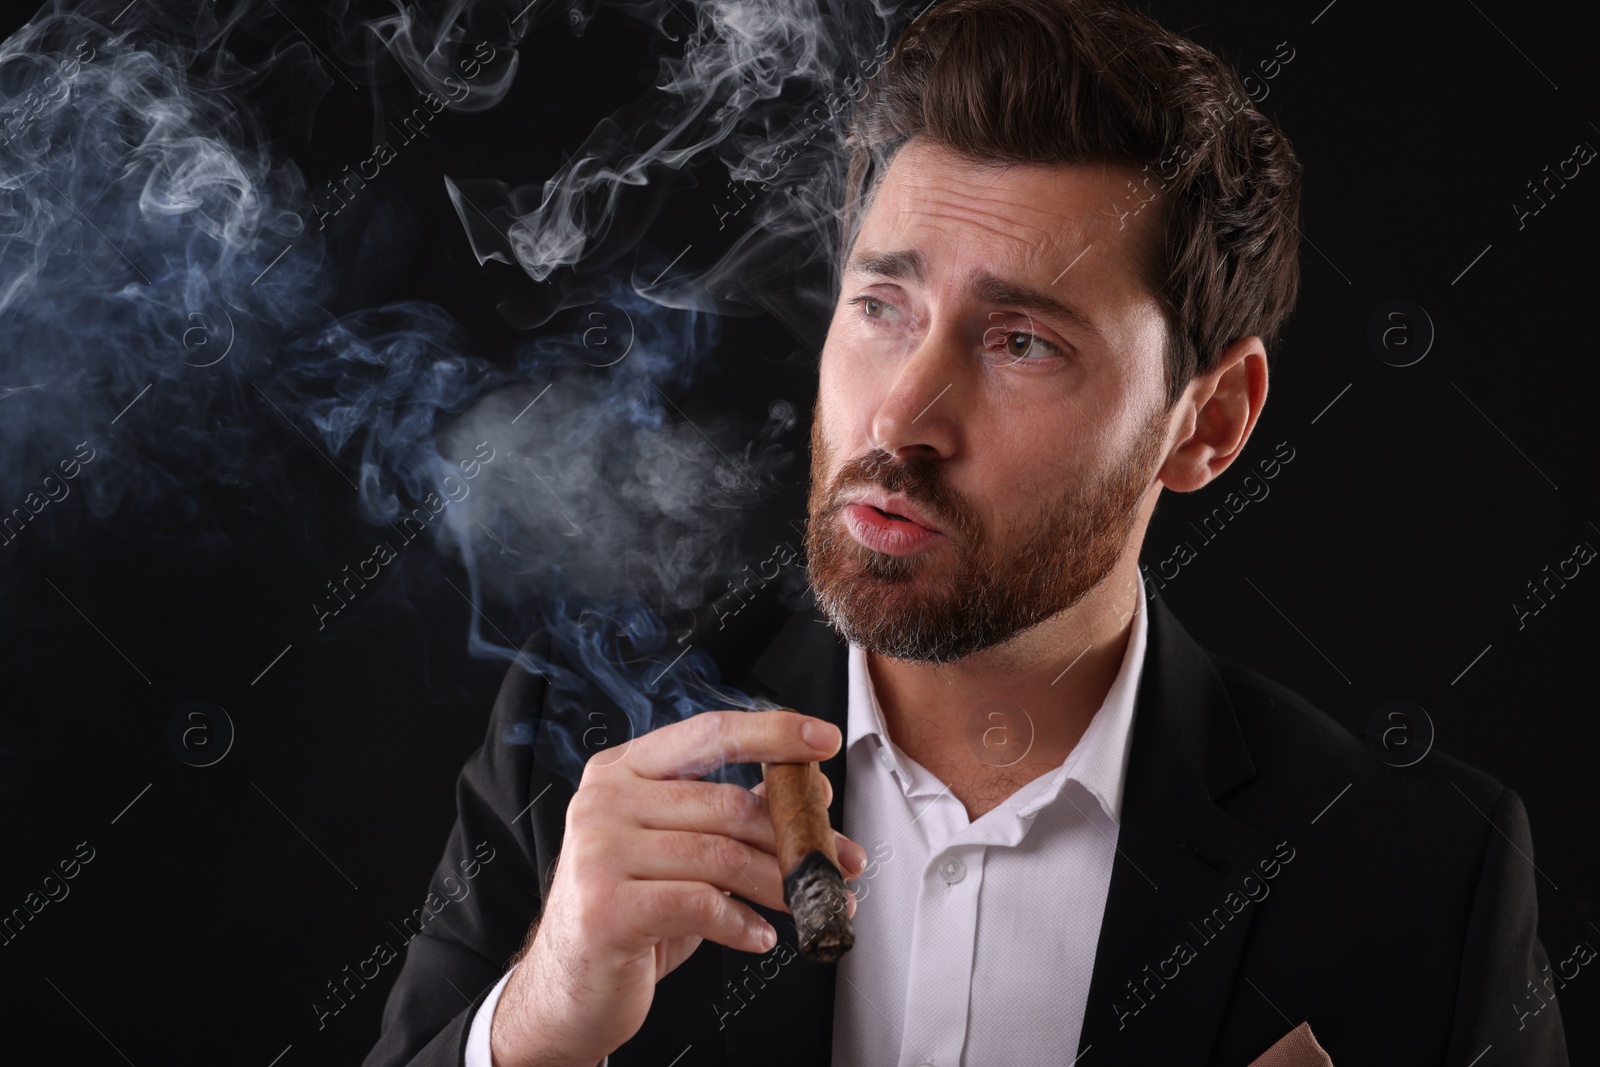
924,189
1048,247
1043,252
997,221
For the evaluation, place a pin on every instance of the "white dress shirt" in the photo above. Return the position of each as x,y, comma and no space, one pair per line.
975,941
478,1037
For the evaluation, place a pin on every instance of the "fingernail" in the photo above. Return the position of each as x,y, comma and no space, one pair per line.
766,936
850,908
820,735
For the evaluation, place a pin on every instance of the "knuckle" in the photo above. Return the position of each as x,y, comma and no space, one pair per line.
585,806
704,904
708,727
726,850
738,805
594,767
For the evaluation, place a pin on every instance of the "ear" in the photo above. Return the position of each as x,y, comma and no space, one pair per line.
1218,411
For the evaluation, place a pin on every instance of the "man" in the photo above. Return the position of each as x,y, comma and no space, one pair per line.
1067,241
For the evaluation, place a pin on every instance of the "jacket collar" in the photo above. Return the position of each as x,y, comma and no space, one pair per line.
1179,855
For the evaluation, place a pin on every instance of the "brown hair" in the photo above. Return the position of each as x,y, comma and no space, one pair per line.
1093,81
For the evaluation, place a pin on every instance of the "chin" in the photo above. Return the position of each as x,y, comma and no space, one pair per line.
902,577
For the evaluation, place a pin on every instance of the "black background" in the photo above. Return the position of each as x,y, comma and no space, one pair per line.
1387,556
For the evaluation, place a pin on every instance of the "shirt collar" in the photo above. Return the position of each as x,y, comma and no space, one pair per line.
1099,761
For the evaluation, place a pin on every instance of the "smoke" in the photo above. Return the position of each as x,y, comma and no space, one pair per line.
761,87
443,55
166,303
138,212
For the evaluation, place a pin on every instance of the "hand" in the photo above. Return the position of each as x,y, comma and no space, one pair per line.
649,863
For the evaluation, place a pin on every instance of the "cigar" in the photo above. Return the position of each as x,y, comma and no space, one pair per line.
813,885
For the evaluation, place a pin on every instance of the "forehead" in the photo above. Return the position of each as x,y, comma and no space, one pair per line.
1029,219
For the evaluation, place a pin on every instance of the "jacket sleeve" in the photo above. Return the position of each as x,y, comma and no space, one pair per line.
1503,999
509,813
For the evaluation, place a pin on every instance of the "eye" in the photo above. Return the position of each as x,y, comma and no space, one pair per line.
871,306
1020,346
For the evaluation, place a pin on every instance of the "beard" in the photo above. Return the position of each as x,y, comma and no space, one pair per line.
925,608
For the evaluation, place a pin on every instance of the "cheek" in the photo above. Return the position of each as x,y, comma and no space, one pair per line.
843,391
1032,458
825,416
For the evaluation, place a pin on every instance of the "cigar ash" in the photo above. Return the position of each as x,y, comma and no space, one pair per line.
815,893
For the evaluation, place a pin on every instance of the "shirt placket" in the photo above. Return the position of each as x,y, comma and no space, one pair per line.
944,935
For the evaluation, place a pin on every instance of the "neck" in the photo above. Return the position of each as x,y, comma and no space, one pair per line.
991,722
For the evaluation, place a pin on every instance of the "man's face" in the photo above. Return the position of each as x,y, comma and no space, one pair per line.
994,365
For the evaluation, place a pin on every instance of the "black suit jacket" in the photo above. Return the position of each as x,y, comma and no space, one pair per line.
1270,870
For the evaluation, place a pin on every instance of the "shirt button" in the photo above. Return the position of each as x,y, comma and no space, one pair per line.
952,870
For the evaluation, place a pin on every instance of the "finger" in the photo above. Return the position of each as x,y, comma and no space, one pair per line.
760,789
707,807
703,742
683,909
722,808
852,857
686,856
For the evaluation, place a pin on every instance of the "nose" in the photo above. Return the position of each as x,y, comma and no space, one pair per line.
919,415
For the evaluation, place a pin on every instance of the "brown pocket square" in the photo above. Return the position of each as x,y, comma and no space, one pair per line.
1297,1048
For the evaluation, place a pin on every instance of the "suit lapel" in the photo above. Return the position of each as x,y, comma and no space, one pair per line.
1162,972
787,1019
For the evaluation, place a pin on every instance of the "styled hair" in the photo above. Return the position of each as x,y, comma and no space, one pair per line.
1093,81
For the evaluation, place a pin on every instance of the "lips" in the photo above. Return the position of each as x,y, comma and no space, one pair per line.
888,524
895,506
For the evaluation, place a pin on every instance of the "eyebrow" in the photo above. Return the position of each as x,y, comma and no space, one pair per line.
909,264
896,265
